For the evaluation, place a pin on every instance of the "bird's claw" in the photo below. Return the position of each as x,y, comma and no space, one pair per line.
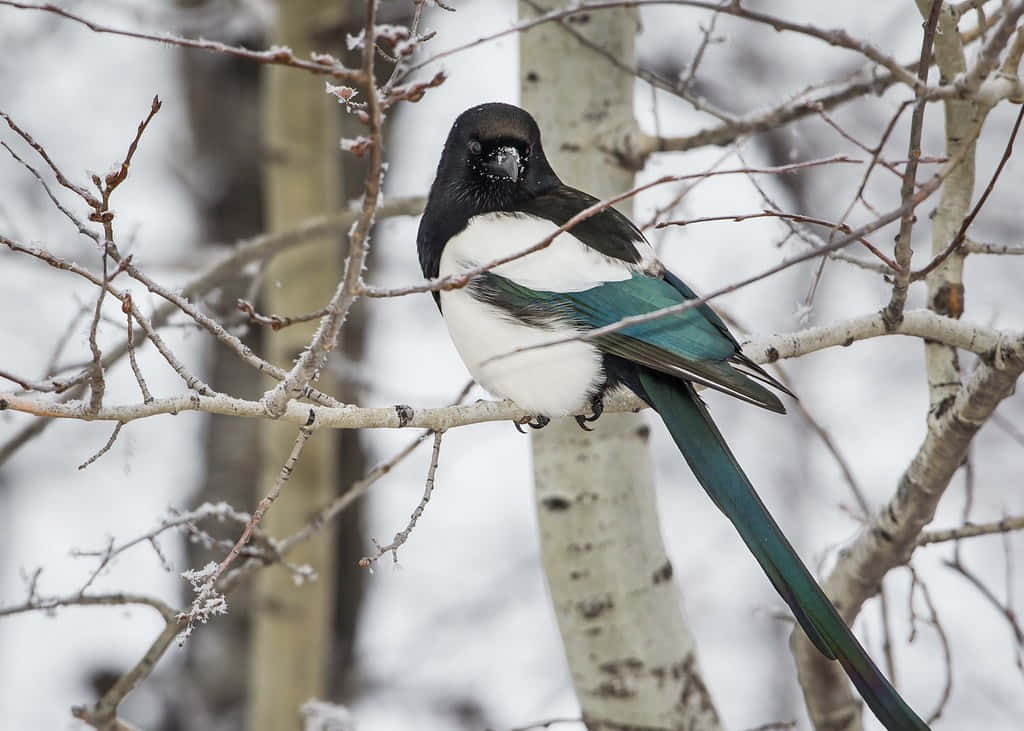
535,422
597,407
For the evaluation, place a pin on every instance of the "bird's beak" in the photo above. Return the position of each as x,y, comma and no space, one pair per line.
505,162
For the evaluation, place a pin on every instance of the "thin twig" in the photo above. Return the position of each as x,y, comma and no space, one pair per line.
933,620
962,233
403,535
799,218
207,591
903,249
75,220
1005,610
276,322
971,530
106,447
146,395
319,63
461,279
833,37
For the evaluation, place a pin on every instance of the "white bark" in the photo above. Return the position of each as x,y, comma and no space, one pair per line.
631,654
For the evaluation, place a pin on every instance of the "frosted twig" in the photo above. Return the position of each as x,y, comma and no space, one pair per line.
208,600
78,190
186,521
403,535
106,447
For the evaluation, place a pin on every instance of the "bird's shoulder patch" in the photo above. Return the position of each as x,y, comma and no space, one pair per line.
608,232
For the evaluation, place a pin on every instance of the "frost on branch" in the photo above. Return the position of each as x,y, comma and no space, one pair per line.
208,602
356,145
344,93
355,40
320,715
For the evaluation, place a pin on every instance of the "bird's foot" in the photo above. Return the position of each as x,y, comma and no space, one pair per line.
535,422
597,407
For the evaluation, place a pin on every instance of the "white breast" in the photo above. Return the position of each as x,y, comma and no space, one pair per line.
553,381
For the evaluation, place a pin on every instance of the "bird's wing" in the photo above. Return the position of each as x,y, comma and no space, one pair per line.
608,231
693,344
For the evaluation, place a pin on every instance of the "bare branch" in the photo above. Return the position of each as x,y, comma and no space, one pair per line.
903,251
958,239
970,530
403,535
992,345
791,217
320,63
207,601
106,447
457,281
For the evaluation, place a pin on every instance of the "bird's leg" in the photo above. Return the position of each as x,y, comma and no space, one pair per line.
535,422
597,407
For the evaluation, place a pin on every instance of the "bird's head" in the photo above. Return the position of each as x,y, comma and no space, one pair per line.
493,159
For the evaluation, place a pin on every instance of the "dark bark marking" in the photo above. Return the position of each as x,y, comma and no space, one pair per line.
555,503
405,414
595,607
664,573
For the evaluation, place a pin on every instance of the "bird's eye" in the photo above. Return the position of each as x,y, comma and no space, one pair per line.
475,147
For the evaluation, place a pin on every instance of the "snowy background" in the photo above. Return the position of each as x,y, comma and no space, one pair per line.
466,614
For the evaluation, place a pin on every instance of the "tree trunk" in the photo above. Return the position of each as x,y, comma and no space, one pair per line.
291,638
631,654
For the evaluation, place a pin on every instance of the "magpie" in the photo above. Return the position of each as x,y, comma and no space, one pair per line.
495,195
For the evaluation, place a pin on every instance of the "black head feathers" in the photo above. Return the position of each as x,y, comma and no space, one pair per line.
493,159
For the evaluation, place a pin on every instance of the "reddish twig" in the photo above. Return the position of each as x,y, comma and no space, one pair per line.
799,218
276,322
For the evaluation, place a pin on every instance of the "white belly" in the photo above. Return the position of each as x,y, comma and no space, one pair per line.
553,381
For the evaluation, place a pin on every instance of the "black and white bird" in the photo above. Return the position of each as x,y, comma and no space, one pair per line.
496,195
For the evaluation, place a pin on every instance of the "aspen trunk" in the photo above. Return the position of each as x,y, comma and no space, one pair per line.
291,637
631,654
